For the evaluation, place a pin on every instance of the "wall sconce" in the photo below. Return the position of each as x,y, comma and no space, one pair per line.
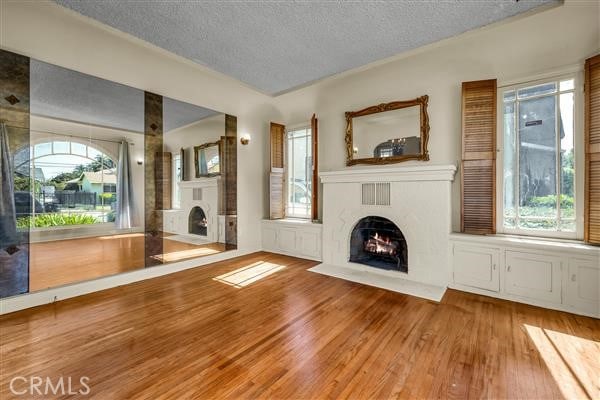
140,162
245,139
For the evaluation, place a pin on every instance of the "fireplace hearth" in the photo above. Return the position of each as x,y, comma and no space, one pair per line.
379,243
198,225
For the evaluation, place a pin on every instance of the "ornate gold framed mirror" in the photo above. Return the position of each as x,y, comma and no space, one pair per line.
207,159
388,133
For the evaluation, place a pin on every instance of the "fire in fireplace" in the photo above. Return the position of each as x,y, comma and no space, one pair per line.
198,224
378,242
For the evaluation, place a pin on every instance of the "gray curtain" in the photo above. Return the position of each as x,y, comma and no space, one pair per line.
125,212
8,218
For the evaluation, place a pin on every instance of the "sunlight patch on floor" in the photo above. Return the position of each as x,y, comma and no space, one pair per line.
185,254
244,276
573,361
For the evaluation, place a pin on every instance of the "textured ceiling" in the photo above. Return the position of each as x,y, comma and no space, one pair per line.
65,94
279,45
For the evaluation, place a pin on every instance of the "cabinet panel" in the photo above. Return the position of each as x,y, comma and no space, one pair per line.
476,266
269,239
310,243
583,285
286,240
533,275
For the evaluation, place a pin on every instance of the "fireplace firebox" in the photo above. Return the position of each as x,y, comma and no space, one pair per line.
198,224
379,243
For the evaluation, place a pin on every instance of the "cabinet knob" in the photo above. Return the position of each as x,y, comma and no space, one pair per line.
573,278
508,268
494,266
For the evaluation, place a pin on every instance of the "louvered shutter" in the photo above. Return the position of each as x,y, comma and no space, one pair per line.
592,150
478,167
276,176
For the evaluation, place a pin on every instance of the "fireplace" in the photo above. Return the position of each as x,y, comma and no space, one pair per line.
378,242
197,222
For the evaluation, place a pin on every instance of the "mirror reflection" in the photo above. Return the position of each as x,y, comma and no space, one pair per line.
101,181
387,134
207,159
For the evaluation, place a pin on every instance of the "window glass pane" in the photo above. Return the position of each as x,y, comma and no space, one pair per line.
537,90
61,147
567,162
509,96
567,85
299,172
93,153
79,149
43,149
510,165
537,163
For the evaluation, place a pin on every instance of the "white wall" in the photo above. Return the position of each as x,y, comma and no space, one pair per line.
207,130
513,50
47,32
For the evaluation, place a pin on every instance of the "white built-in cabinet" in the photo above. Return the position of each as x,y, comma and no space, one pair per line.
477,266
582,283
558,275
533,275
294,238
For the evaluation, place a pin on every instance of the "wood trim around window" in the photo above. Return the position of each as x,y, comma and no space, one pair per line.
314,126
478,166
592,150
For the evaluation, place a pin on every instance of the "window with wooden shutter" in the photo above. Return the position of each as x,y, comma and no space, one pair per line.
276,176
314,127
478,167
592,151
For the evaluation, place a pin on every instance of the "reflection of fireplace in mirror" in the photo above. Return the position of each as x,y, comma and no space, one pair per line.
197,222
378,242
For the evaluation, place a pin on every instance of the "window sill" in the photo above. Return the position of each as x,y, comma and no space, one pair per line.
531,242
292,222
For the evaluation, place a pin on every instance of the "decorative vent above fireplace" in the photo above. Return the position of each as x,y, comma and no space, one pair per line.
197,194
376,194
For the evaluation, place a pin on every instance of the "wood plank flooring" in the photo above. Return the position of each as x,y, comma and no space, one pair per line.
295,334
62,262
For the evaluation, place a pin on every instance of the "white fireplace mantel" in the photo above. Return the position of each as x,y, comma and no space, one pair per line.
391,174
198,183
419,204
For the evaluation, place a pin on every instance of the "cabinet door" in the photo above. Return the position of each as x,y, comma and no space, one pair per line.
532,275
269,238
310,244
286,240
476,266
583,285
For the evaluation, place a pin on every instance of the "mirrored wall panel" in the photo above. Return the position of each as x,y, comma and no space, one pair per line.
99,178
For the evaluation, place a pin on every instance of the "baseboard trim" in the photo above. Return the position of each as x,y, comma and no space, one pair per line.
24,301
524,300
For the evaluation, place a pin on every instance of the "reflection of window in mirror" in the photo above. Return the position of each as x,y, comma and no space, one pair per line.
207,159
177,174
299,172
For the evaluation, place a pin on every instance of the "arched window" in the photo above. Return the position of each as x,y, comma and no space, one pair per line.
72,183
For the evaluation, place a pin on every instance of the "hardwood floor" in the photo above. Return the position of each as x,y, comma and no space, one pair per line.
299,335
61,262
